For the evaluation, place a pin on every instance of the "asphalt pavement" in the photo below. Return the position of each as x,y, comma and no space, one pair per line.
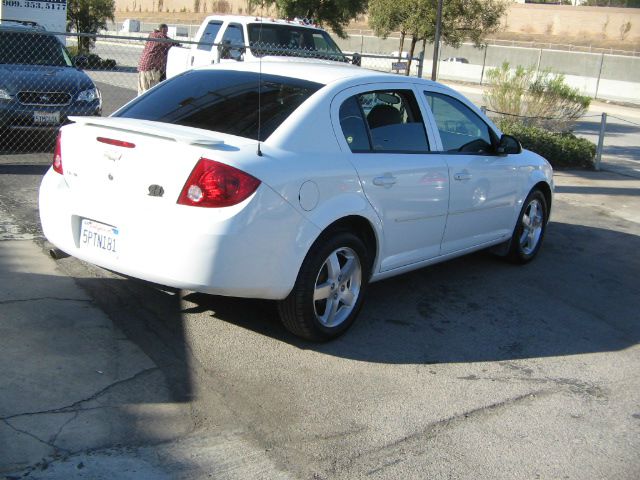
469,369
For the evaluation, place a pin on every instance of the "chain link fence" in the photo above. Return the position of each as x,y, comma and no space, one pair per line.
46,78
40,88
43,82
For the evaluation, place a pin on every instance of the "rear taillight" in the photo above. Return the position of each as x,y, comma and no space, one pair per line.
212,184
57,155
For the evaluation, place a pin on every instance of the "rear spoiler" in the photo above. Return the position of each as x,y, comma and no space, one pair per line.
176,133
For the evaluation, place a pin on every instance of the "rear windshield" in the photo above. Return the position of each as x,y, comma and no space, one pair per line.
290,40
223,101
18,48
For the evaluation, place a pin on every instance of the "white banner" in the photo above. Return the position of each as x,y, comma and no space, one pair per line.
51,14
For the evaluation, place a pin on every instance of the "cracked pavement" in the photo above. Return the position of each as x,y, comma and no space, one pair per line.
69,369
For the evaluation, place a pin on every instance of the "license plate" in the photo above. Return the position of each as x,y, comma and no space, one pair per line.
99,237
46,118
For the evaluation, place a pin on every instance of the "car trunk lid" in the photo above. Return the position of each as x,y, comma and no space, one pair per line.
122,158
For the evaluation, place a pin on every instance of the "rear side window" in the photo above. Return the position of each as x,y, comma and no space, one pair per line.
384,121
223,101
209,35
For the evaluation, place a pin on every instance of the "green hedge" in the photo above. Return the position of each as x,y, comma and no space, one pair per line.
562,150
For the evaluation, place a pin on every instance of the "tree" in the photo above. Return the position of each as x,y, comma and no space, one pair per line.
461,20
336,14
88,16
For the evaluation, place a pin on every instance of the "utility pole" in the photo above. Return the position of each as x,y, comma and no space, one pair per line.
436,42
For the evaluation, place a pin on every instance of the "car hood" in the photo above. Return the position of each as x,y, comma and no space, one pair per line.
15,78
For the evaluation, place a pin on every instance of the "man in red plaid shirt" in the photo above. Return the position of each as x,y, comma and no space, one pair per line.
152,67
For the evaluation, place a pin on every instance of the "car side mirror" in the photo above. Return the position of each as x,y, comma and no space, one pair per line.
81,62
228,51
356,59
508,145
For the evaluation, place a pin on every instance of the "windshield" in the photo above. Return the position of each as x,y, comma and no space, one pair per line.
223,101
18,48
291,40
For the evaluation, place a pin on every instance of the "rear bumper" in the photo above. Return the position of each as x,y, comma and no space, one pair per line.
251,250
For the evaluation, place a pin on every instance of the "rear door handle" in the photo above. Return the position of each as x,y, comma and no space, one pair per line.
386,181
461,176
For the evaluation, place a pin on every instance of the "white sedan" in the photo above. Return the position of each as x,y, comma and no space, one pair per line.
297,181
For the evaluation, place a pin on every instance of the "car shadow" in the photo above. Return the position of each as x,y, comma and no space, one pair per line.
81,384
579,296
152,319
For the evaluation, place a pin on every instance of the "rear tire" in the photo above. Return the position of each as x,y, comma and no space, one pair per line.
530,228
330,288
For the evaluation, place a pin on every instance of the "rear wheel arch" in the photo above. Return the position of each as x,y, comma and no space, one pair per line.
359,226
332,281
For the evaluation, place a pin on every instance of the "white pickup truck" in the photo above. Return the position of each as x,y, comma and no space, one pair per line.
229,38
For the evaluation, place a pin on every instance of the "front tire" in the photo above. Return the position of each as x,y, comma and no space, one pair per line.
530,229
329,290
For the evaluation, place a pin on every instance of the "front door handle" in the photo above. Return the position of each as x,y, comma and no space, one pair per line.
461,176
386,181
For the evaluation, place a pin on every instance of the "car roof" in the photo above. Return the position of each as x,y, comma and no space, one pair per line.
12,24
314,70
325,72
246,19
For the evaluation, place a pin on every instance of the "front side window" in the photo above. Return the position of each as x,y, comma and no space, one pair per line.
209,35
461,129
233,34
223,101
232,42
386,120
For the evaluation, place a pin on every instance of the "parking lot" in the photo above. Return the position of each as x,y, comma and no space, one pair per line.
469,369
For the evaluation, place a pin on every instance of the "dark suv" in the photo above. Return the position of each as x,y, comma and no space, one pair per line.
39,84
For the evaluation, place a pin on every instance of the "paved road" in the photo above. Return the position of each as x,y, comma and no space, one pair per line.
469,369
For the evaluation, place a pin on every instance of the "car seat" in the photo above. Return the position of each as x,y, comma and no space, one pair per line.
382,115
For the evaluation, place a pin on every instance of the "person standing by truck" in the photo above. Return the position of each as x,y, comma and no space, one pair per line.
152,67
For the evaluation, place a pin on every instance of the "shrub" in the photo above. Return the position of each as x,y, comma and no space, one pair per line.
562,150
97,63
542,97
94,61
